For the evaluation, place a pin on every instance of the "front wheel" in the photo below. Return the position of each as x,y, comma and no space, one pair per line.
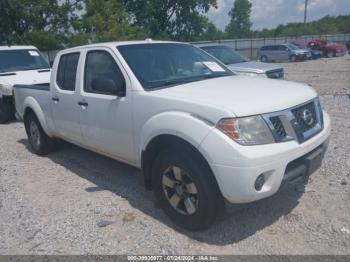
264,59
6,112
40,143
293,58
186,189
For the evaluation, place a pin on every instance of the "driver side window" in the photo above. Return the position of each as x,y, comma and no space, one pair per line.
101,65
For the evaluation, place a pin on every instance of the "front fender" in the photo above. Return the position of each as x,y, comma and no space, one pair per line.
189,127
31,103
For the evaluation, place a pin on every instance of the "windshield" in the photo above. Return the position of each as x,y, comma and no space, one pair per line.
292,47
168,64
300,44
225,54
20,60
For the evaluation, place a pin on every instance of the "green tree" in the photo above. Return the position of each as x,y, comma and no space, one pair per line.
240,24
211,33
44,23
325,25
103,21
173,19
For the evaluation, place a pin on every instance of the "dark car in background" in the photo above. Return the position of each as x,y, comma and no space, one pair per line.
327,49
241,65
315,54
348,46
283,52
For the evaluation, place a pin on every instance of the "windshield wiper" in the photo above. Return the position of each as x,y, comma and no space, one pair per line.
7,74
172,82
44,70
214,75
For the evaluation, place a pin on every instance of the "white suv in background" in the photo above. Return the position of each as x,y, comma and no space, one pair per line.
19,65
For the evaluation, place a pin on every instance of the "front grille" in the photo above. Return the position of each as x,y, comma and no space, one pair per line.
299,123
278,126
302,114
275,74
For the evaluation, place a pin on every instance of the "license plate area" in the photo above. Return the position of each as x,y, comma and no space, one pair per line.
314,160
304,166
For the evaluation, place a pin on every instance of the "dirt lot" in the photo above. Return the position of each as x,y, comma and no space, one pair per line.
77,202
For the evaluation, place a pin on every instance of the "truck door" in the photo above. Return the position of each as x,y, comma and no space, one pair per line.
106,119
64,100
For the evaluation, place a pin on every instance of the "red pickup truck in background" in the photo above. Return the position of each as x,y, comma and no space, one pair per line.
327,49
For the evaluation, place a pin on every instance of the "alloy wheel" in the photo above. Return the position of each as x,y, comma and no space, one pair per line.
35,134
180,190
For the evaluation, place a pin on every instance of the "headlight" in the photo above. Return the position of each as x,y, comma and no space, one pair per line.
247,130
5,89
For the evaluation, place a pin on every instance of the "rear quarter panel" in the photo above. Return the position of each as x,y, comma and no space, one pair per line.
39,102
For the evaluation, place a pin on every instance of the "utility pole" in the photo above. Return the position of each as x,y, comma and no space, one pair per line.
305,13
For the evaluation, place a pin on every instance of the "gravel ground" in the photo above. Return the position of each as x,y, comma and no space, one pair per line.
77,202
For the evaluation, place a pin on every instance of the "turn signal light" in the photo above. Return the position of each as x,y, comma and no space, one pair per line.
228,126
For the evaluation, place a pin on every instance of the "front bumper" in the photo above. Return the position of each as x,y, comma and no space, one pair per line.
303,56
341,53
237,167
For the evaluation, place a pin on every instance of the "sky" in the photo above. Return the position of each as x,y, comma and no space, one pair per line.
270,13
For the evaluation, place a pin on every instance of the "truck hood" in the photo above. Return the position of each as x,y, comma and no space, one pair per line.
256,67
241,95
29,77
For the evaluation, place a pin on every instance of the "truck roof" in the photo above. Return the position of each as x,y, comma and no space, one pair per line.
120,43
17,47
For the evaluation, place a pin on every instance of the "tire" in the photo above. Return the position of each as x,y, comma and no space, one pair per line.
6,112
39,142
329,54
292,58
201,201
334,54
264,59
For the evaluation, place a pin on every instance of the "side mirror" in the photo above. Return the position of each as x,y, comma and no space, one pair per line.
108,86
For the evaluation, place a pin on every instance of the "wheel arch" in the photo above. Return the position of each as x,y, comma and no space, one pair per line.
161,143
32,106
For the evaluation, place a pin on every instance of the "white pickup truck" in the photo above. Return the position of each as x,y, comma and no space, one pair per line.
19,65
199,133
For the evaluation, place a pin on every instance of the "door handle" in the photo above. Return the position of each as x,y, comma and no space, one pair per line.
55,99
83,103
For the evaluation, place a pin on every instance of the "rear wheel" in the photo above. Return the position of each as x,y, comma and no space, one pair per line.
264,59
331,54
186,189
40,143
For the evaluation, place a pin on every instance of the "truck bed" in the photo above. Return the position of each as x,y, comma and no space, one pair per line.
44,87
39,93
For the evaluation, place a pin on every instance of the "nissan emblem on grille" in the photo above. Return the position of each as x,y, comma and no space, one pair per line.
300,123
307,117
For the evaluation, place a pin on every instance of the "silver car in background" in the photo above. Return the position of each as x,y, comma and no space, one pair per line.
284,52
241,65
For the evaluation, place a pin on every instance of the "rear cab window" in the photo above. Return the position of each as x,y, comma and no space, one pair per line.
67,71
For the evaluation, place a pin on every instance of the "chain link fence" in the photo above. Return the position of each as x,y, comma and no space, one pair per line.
249,47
